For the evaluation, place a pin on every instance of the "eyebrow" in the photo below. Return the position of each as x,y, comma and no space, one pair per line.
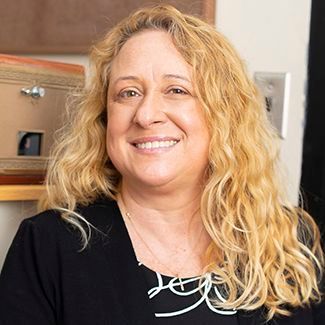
166,76
176,76
125,78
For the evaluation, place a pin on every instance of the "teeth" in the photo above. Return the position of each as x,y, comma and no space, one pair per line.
148,145
156,144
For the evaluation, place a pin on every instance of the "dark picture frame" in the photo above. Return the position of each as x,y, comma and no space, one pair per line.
71,26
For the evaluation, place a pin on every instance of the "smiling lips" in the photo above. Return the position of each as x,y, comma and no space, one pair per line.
155,144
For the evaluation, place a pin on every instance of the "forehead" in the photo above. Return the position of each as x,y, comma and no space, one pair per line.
150,52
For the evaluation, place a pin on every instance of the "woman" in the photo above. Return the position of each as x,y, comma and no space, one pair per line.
180,218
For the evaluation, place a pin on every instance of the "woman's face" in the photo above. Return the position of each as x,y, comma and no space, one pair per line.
156,132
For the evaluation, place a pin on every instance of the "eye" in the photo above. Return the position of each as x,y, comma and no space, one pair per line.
128,93
177,91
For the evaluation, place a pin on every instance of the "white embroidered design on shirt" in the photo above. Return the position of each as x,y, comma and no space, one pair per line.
205,286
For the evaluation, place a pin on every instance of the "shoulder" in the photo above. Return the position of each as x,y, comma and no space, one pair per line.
100,214
51,229
307,315
312,315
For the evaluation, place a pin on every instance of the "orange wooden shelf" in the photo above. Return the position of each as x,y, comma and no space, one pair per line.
21,192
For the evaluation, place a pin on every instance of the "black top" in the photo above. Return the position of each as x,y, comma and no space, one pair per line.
47,280
180,301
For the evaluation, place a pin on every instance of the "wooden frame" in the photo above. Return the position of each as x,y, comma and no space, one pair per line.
39,114
21,192
47,26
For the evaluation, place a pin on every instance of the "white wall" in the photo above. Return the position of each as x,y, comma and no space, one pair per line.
11,214
273,36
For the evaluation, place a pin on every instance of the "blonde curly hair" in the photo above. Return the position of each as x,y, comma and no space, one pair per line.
264,251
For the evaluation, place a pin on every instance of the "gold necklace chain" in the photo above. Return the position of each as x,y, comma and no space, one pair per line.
129,218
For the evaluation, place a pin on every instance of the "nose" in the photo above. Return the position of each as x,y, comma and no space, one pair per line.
150,111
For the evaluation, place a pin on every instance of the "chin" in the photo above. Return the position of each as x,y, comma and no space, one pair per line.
156,180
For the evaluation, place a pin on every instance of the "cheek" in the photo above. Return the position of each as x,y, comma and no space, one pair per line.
198,132
199,124
112,133
192,122
109,144
116,123
120,117
112,147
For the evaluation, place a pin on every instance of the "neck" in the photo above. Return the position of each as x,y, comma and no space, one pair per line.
166,229
154,206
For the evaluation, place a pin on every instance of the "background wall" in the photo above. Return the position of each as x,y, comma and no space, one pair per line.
74,59
271,36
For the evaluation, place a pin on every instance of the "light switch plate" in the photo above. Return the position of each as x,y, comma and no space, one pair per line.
275,88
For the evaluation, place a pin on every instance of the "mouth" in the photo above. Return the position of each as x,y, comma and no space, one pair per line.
155,143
